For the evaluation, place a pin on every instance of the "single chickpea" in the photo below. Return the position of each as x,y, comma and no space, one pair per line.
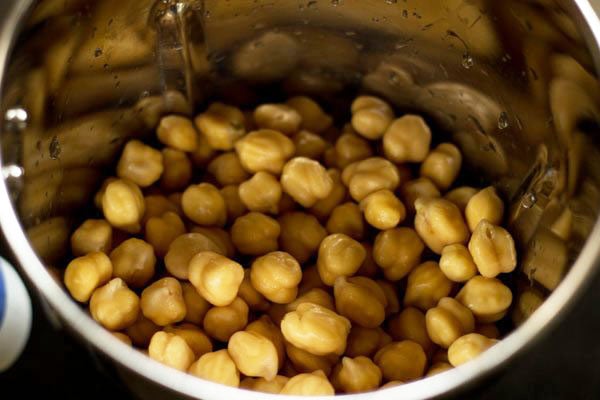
339,255
383,210
460,196
217,366
268,329
314,118
100,193
227,169
370,175
309,384
361,300
262,385
468,347
371,116
350,148
123,205
114,305
457,264
123,338
488,330
368,268
426,285
261,193
306,181
221,125
196,306
141,331
410,324
251,296
303,361
204,205
177,170
527,302
391,294
309,145
233,203
222,322
86,273
439,223
175,199
448,321
162,302
220,237
311,279
438,368
162,231
195,338
276,276
347,219
353,375
407,139
264,150
487,298
203,152
493,249
365,341
171,350
403,361
485,204
417,188
255,234
215,277
156,206
442,165
324,207
397,251
177,132
316,329
139,163
253,354
183,249
301,235
315,296
278,117
92,235
134,262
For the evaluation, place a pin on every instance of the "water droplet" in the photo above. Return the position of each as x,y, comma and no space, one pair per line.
98,52
54,148
503,120
391,1
467,61
529,200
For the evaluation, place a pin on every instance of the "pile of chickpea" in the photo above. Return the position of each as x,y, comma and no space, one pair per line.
307,261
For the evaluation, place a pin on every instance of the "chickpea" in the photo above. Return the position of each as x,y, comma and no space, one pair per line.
487,298
100,193
255,234
217,366
123,338
368,268
86,273
251,296
306,181
162,302
324,207
438,368
204,205
276,276
262,385
439,223
330,157
215,277
264,150
314,118
233,203
410,324
261,193
156,206
347,219
123,205
361,300
457,264
140,164
316,329
303,361
92,235
448,321
309,384
162,231
177,132
350,148
407,139
485,204
196,306
397,251
315,296
403,361
461,196
468,347
141,331
278,117
309,145
286,204
183,249
383,210
114,305
311,279
488,330
177,170
175,199
223,321
426,285
493,249
356,375
368,176
442,165
391,294
221,125
365,341
171,350
301,235
527,302
195,338
227,169
371,116
417,188
203,152
268,329
134,262
339,255
220,237
253,354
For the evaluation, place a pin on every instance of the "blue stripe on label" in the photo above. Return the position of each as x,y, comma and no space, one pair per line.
2,296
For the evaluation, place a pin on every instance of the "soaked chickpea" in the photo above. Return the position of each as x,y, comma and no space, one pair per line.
139,163
306,181
141,331
233,203
203,152
391,294
86,273
457,264
251,296
134,262
171,350
279,117
442,165
215,277
468,347
324,207
347,219
350,148
438,368
156,206
439,223
255,234
339,255
487,298
309,384
485,204
461,196
227,169
383,210
371,116
410,324
264,150
314,118
162,231
403,361
353,375
426,285
217,366
222,322
162,302
365,341
262,385
177,170
361,300
177,132
196,306
219,236
309,145
407,139
261,193
276,276
221,125
493,249
253,354
100,193
114,305
316,296
448,321
204,204
417,188
268,329
397,251
301,235
195,338
123,205
370,175
183,249
92,235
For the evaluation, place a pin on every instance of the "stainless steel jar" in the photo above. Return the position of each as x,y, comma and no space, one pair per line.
513,83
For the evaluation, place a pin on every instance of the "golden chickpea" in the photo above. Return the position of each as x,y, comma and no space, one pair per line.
255,234
309,145
487,298
222,322
426,285
268,329
371,116
177,170
370,175
314,118
86,273
221,125
339,255
365,341
355,375
195,338
397,251
439,223
262,385
303,361
527,302
468,347
493,249
448,321
383,210
100,193
485,204
233,203
141,331
315,296
457,264
407,139
251,296
442,165
324,207
162,302
417,188
204,205
410,324
403,361
134,262
162,231
361,300
461,196
391,294
316,329
203,152
156,206
139,163
123,205
227,169
183,249
488,330
309,384
217,367
276,276
261,193
253,354
278,117
177,132
114,305
438,368
306,181
301,235
92,235
264,150
215,277
123,338
171,350
196,306
347,219
350,148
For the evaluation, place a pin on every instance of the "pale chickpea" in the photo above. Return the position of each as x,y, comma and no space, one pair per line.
141,331
365,341
417,188
457,264
233,203
407,139
222,322
139,163
301,235
171,350
123,205
306,181
489,330
410,324
438,368
276,276
350,148
383,210
485,204
324,207
448,321
196,306
195,338
227,169
278,117
268,329
353,375
361,300
403,361
261,193
487,298
123,338
264,150
253,354
391,294
161,231
92,235
156,206
426,285
339,255
461,196
177,170
162,302
255,234
397,251
309,145
262,385
439,223
177,132
442,165
220,237
369,267
204,204
215,277
134,262
183,249
221,125
347,219
370,175
493,249
217,366
468,347
371,116
251,296
86,273
314,118
203,152
114,305
309,384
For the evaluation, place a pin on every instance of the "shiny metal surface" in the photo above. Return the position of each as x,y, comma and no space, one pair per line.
513,83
